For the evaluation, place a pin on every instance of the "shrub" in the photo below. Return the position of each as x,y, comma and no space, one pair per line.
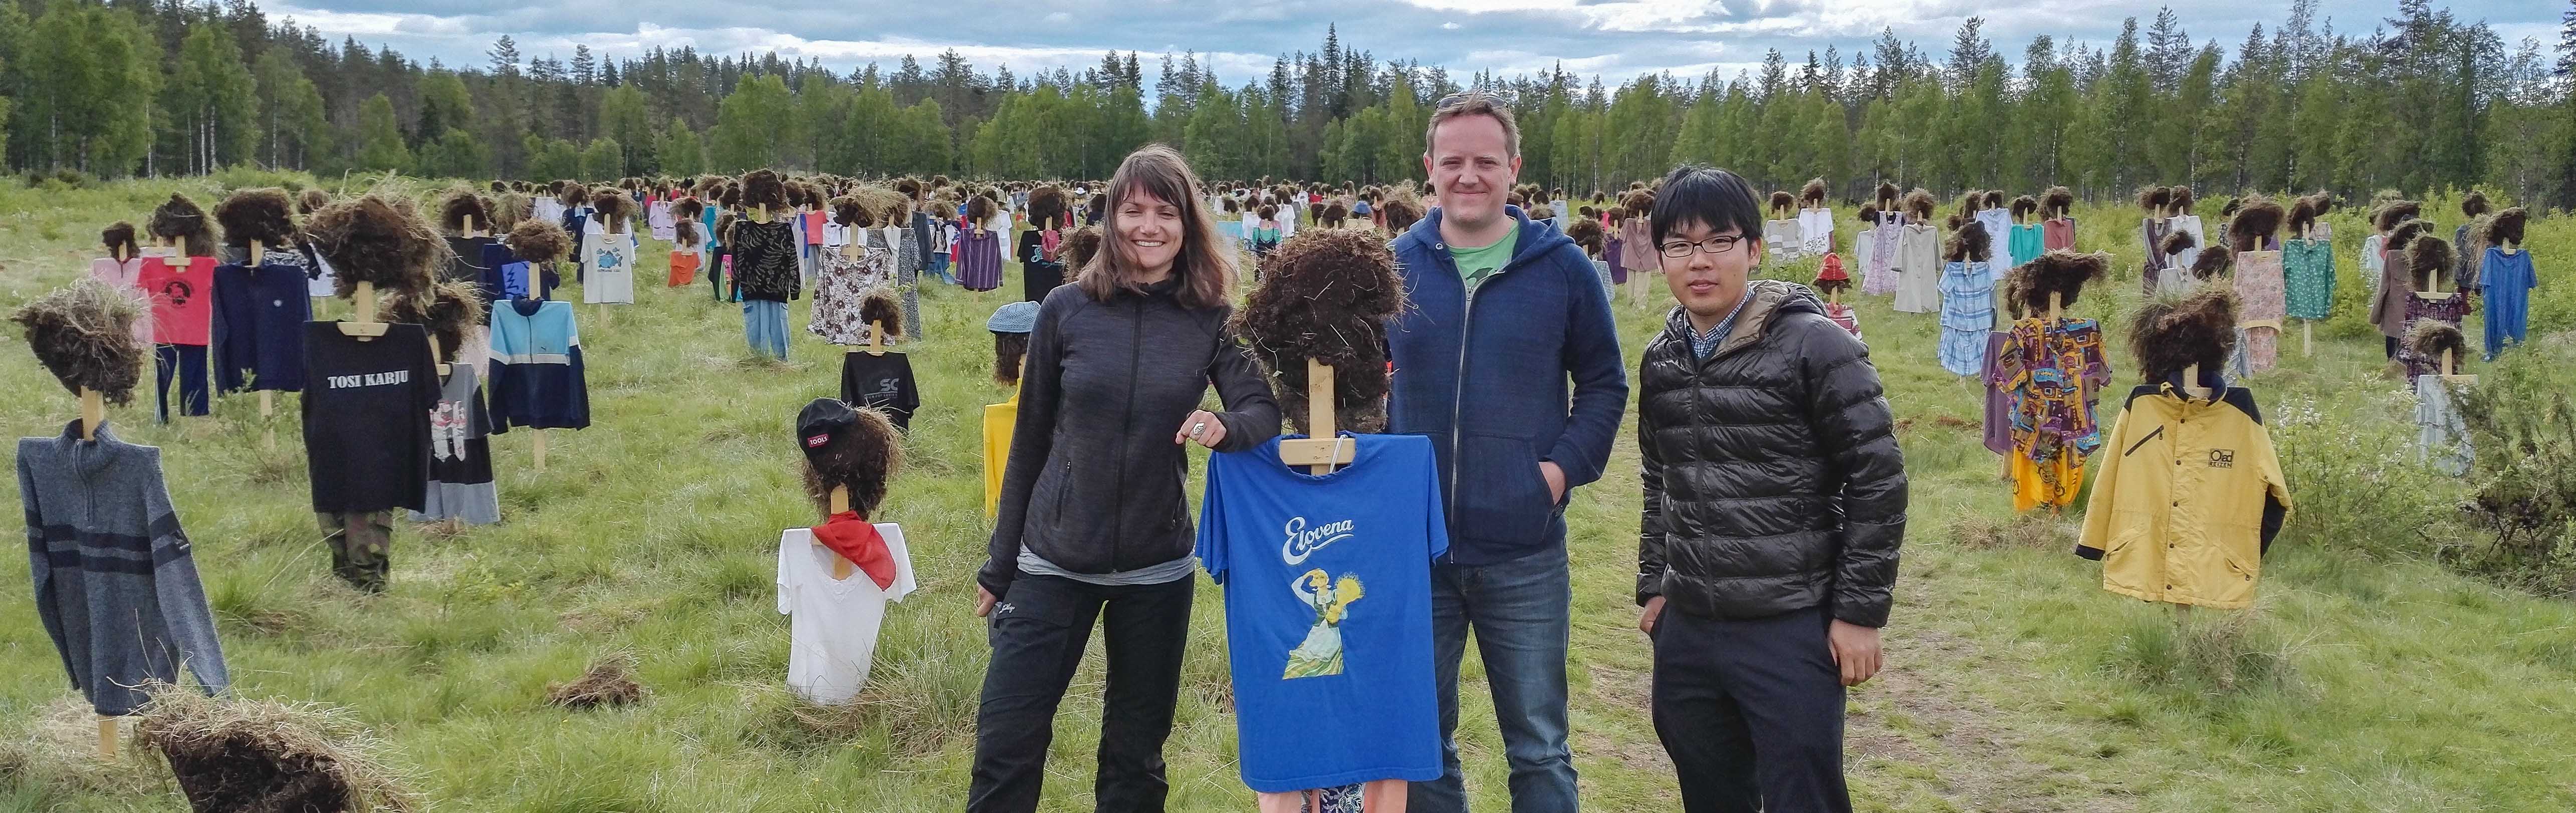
2522,500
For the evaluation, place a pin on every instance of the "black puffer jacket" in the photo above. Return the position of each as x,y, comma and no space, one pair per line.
1773,478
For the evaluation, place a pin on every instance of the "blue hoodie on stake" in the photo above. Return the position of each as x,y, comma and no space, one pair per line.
1486,378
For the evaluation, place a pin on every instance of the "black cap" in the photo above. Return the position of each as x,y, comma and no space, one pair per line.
819,422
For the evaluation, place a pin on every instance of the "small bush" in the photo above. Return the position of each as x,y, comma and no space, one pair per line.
2522,503
2355,483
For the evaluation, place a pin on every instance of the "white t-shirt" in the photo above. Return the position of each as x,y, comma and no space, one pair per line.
324,284
832,628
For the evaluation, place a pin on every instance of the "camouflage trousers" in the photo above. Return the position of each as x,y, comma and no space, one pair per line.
360,546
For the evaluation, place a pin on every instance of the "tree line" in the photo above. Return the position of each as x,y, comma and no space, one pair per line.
2423,100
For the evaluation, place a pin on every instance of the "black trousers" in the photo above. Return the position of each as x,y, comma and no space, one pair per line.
1038,633
1751,711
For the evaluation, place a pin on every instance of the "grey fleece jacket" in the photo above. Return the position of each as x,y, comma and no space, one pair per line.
115,585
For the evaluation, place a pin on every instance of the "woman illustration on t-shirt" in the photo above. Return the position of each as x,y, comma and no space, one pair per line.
1321,653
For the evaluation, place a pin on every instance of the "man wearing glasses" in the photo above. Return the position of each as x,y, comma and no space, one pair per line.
1774,504
1509,361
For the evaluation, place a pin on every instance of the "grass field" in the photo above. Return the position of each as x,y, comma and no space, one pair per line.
2366,679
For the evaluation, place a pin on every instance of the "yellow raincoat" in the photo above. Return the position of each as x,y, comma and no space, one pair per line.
2188,497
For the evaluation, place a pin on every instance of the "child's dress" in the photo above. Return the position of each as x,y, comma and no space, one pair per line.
1967,315
2260,306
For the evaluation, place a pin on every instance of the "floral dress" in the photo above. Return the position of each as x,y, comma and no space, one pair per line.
1880,275
2449,307
1967,315
842,282
2260,306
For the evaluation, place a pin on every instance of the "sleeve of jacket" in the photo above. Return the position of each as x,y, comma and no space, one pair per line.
1600,379
2106,489
1032,440
1251,415
2276,489
1858,433
1650,516
176,588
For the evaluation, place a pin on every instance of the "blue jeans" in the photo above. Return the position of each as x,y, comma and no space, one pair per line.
1521,611
764,325
939,267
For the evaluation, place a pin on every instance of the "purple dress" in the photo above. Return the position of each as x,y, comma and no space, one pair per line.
1998,402
979,259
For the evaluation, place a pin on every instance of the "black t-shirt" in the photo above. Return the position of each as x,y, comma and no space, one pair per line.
469,261
883,382
366,417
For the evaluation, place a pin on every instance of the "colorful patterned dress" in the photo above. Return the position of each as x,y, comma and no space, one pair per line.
1967,315
1881,275
2053,375
2260,306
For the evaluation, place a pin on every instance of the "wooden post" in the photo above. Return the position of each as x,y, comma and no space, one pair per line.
93,412
877,343
469,226
258,252
267,409
840,503
2308,336
106,738
434,354
2191,382
2446,362
2056,306
1321,449
362,322
540,448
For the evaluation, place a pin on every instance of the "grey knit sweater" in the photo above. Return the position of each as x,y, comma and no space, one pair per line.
115,585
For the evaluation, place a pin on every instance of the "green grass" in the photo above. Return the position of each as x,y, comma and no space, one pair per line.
2366,679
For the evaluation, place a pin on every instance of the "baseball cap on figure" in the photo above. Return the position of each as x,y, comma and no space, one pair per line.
820,421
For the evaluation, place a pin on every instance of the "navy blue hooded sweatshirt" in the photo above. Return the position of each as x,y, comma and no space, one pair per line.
1487,379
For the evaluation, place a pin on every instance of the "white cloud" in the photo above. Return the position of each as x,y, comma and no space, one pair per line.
1449,26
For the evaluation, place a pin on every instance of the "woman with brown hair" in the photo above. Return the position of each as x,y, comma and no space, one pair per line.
1092,522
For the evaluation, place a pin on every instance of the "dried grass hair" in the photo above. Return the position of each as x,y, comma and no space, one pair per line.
83,333
1047,207
2474,204
537,240
380,239
1869,213
2301,216
684,232
2174,330
2024,206
2430,337
610,681
1079,246
1326,295
2057,202
2506,227
2177,242
863,457
1586,232
761,187
182,220
908,186
1994,199
1813,192
2230,208
614,208
848,211
1968,243
2212,261
2429,261
1638,202
2254,224
1335,213
1887,195
2061,272
2181,199
879,307
980,209
2394,213
1781,204
2153,199
461,204
507,212
2406,234
311,200
118,240
570,192
261,215
448,309
1918,204
238,754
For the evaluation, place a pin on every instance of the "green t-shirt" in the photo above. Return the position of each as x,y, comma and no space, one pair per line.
1475,264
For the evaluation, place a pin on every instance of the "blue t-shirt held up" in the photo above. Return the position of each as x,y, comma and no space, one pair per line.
1328,611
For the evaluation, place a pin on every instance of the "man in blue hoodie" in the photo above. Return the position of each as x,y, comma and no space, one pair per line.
1507,316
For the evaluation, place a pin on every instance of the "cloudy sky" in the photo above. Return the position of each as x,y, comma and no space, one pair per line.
1614,38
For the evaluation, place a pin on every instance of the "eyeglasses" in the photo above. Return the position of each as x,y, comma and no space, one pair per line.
1679,249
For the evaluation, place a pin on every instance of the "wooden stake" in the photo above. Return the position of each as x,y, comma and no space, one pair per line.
469,227
107,738
258,252
1321,450
840,503
362,316
434,355
2308,336
2191,382
2056,306
540,446
267,408
93,412
876,345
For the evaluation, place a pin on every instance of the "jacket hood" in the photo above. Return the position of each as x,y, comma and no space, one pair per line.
1766,300
1536,237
